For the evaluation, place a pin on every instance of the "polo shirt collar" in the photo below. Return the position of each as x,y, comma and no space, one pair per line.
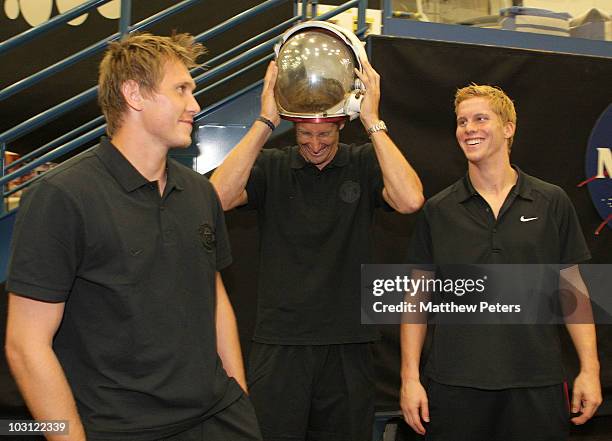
522,187
173,176
126,174
465,189
339,160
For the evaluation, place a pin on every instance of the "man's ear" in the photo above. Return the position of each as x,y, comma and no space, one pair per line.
132,94
509,129
340,126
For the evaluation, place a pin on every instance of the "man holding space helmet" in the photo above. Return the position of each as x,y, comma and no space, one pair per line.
310,371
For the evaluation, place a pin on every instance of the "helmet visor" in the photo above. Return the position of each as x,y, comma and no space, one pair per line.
315,74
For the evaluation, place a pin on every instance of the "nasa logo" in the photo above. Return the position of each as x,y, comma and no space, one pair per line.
598,168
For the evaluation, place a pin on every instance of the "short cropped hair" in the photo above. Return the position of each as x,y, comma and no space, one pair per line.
500,103
140,57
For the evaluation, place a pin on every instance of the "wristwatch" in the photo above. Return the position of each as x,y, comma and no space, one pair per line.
380,125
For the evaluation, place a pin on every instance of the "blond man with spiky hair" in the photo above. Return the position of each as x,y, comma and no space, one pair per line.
497,382
118,320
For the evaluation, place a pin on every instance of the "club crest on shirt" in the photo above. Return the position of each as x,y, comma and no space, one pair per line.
350,191
207,236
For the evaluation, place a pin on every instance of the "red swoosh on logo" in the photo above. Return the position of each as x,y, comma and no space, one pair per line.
591,179
603,224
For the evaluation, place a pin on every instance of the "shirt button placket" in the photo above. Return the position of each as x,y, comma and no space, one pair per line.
166,230
495,243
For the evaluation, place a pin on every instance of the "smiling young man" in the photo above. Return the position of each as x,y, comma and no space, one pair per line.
118,319
503,383
310,368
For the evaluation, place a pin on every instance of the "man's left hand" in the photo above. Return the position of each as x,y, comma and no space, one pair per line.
586,397
369,105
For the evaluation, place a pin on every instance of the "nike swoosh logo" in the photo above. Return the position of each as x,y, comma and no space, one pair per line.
527,219
136,251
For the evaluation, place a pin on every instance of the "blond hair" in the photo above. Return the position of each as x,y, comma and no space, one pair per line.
141,58
500,103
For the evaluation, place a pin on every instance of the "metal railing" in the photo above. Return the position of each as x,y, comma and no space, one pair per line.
245,52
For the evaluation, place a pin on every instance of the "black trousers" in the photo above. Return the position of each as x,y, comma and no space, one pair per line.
237,422
518,414
313,393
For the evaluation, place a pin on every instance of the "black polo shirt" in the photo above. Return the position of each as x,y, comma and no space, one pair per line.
314,235
536,224
137,272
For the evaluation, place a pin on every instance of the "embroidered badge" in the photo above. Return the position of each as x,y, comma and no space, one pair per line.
350,191
207,236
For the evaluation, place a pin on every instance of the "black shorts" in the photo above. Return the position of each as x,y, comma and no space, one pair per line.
314,393
237,422
517,414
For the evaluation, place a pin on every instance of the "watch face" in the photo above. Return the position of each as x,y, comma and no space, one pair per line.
380,125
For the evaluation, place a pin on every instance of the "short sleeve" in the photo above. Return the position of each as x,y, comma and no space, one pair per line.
256,185
224,253
420,248
47,244
375,178
573,245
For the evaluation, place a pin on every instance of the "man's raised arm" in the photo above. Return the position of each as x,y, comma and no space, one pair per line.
402,187
230,178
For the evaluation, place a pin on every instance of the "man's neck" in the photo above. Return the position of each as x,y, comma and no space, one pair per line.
492,178
149,159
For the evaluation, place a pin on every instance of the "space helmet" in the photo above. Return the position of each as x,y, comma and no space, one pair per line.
316,79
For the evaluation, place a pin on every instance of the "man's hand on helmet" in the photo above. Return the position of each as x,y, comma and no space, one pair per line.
369,104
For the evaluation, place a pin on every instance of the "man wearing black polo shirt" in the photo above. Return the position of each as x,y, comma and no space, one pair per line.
310,372
118,319
497,383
